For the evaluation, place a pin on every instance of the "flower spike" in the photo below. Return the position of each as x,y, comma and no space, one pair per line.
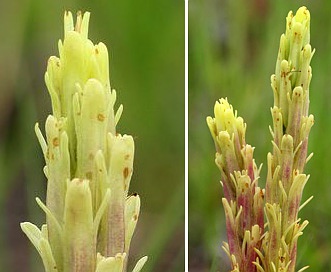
271,246
90,219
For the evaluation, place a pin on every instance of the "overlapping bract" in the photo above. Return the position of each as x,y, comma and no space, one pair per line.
291,127
90,217
243,201
275,249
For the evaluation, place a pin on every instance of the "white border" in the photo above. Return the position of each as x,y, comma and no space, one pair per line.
186,135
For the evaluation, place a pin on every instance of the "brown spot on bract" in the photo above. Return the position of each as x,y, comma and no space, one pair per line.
261,194
90,156
56,142
101,117
96,51
135,217
125,172
127,156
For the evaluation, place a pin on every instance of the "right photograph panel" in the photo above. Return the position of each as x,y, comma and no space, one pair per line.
258,111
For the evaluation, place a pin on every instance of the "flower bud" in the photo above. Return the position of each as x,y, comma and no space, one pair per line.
78,234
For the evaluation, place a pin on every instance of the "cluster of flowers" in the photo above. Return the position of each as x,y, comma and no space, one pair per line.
253,244
90,217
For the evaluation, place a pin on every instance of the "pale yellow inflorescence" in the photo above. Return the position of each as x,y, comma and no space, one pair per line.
90,217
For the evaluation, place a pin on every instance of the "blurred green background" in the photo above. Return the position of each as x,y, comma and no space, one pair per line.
145,40
233,47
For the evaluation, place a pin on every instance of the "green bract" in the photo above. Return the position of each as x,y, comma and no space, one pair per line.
90,217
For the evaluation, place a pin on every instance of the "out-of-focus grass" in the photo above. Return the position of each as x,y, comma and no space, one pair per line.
146,45
233,47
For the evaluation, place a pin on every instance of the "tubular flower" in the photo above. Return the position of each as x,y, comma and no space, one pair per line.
90,219
291,126
249,247
243,201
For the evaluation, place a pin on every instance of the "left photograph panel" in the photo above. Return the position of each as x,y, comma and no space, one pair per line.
92,136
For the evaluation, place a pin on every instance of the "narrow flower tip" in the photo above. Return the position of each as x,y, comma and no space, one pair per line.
225,102
287,143
299,25
308,52
140,264
78,202
212,126
302,14
79,61
82,23
285,67
68,21
224,115
256,232
226,120
131,215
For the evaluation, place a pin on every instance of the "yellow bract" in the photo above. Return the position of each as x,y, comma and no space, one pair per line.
90,218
